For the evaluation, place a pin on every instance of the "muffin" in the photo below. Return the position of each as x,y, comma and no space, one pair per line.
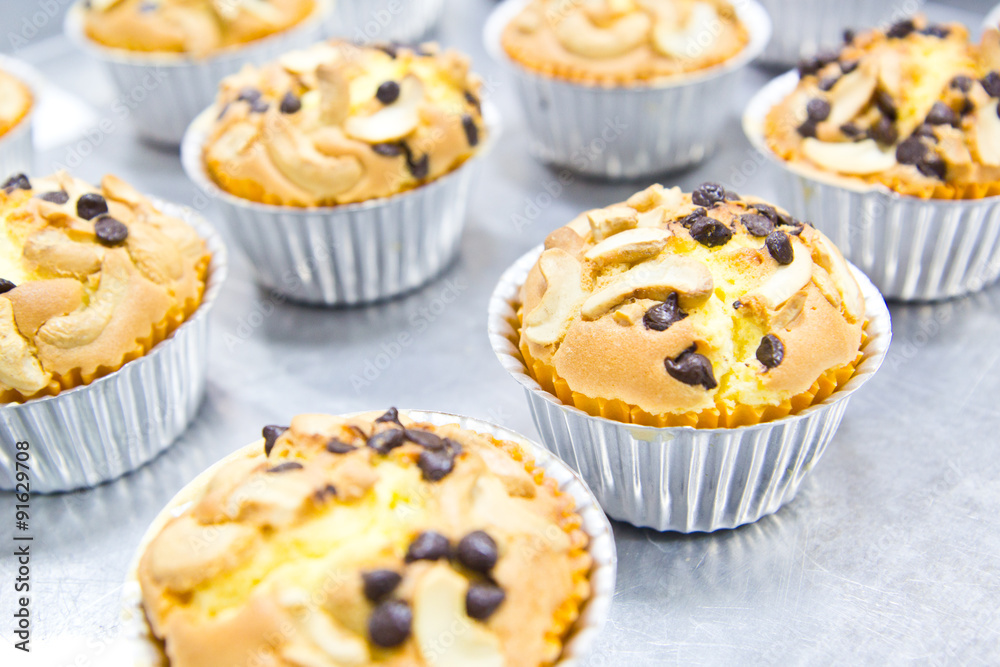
913,108
337,124
614,42
194,27
368,540
704,309
16,102
588,75
91,279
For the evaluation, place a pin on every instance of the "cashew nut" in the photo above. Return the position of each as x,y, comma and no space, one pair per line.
784,282
987,134
394,121
578,35
851,94
296,157
51,250
19,369
335,93
828,257
696,36
605,222
652,280
629,246
548,322
857,158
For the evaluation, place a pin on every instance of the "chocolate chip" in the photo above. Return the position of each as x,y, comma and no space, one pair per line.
967,107
991,84
807,129
91,205
16,182
453,446
851,131
737,304
910,151
428,545
388,92
710,232
691,368
389,48
660,317
691,217
390,416
259,106
482,599
338,446
818,109
808,66
848,36
386,441
939,31
290,103
471,129
771,351
732,196
388,149
780,247
323,494
474,101
6,285
56,196
933,166
110,232
827,83
425,439
925,130
389,625
379,584
886,104
767,211
250,95
708,194
477,551
942,114
962,83
435,465
884,132
757,224
419,167
271,435
783,219
827,56
848,66
900,29
286,467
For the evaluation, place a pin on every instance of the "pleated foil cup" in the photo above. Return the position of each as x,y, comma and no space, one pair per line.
350,254
161,94
803,28
17,149
992,19
145,648
681,478
626,132
98,432
368,21
913,249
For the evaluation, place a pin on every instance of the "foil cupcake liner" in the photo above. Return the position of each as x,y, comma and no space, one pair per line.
913,249
626,132
145,648
162,93
992,19
368,21
681,478
350,254
803,28
98,432
17,148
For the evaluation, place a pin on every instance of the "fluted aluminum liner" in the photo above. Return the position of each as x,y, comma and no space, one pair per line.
17,149
628,131
913,249
579,643
992,19
681,478
98,432
367,21
162,93
802,28
349,254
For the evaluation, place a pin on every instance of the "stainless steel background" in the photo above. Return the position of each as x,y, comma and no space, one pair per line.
890,554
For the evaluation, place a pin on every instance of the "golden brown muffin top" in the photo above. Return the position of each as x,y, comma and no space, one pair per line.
913,107
90,278
679,303
337,123
369,540
623,41
196,27
15,102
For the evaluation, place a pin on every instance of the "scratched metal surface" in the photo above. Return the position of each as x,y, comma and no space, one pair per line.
890,554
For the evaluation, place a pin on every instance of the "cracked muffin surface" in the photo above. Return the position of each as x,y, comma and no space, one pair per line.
198,28
90,279
616,42
913,108
16,101
368,540
705,309
337,124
